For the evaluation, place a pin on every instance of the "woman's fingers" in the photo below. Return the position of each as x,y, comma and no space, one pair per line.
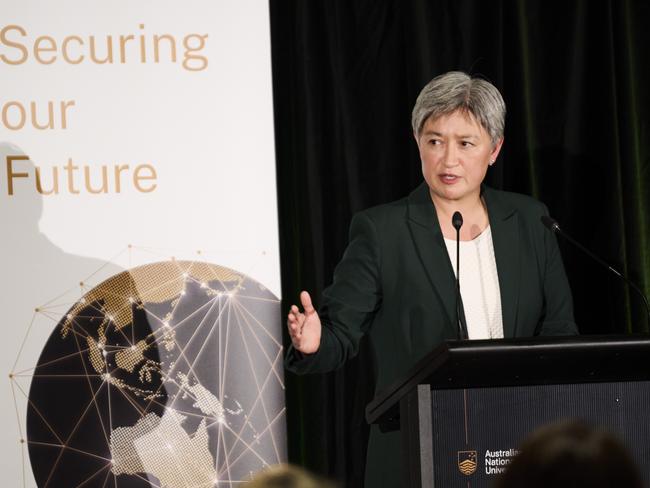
296,316
295,320
305,299
304,326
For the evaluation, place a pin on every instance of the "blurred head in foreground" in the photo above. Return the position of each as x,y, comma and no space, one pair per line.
571,454
285,476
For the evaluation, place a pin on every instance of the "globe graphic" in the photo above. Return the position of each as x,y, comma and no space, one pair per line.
165,375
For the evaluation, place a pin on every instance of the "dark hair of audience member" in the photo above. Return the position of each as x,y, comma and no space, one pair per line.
571,455
286,476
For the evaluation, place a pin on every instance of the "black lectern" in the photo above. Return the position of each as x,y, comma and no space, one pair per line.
466,406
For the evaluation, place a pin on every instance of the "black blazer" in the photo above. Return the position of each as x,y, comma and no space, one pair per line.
396,283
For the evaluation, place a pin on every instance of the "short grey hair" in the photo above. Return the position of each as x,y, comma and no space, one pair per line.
456,90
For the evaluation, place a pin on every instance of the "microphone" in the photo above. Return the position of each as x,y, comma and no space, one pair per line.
554,227
457,222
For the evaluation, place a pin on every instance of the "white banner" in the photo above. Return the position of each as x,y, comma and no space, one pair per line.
140,271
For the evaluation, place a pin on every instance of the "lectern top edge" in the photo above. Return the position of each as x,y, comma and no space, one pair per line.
521,361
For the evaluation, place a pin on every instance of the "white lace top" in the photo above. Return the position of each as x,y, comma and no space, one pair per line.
479,285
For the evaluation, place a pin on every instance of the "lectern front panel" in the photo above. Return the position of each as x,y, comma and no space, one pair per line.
476,431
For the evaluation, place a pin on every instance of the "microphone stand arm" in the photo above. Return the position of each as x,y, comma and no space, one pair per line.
556,229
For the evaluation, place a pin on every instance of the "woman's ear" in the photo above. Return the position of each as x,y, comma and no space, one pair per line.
495,151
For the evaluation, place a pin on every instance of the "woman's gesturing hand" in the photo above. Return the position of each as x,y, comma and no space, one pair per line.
304,327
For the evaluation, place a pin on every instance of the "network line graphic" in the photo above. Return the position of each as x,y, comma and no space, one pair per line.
167,374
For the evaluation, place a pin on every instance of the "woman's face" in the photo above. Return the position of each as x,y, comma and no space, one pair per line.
455,151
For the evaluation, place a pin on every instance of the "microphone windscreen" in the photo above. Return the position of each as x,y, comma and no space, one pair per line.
457,220
549,223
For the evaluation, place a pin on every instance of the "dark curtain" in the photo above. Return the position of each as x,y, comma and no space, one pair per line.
575,76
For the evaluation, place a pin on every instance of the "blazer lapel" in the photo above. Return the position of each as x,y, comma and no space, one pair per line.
431,249
505,237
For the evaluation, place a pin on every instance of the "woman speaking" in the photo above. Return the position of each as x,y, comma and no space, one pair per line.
396,281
